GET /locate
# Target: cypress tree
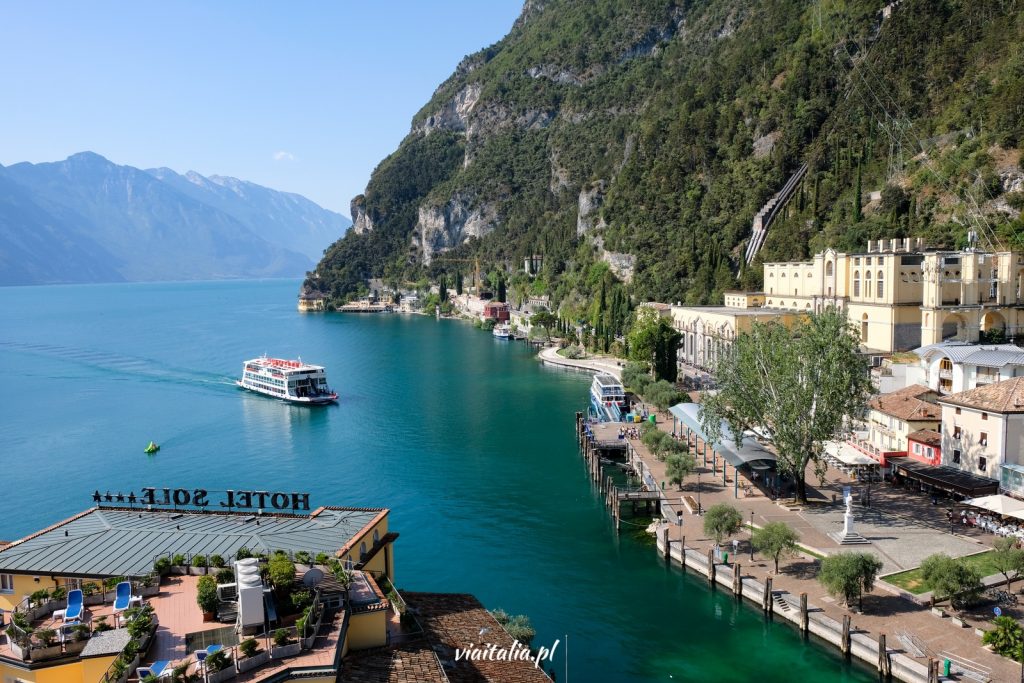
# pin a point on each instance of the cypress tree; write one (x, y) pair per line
(458, 283)
(501, 288)
(442, 289)
(817, 190)
(856, 197)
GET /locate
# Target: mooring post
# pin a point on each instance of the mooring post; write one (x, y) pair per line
(804, 620)
(766, 599)
(737, 580)
(682, 551)
(664, 538)
(844, 643)
(884, 667)
(711, 567)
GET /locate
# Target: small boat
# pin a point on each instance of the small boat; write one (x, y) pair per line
(152, 448)
(288, 380)
(502, 331)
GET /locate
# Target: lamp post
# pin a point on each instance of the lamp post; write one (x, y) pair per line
(952, 511)
(751, 536)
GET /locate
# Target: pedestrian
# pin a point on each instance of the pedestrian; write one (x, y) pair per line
(735, 547)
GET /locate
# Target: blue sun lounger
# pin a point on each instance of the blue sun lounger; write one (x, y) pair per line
(123, 596)
(75, 606)
(158, 669)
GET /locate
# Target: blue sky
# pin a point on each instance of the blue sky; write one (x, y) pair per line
(300, 96)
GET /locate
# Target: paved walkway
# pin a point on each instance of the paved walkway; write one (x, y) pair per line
(884, 612)
(549, 355)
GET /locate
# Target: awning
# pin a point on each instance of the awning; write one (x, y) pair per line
(750, 451)
(945, 478)
(999, 504)
(848, 455)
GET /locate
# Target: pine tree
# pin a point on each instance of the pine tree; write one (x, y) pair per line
(817, 191)
(856, 197)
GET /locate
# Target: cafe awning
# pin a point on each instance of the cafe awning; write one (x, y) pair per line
(945, 478)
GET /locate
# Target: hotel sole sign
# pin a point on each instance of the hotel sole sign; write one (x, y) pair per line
(200, 498)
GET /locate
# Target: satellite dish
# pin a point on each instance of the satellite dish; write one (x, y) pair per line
(312, 577)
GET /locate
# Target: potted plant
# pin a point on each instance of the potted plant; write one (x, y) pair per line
(60, 595)
(20, 640)
(251, 655)
(149, 585)
(220, 667)
(206, 597)
(284, 646)
(79, 638)
(302, 557)
(322, 559)
(91, 593)
(199, 564)
(179, 564)
(225, 575)
(48, 646)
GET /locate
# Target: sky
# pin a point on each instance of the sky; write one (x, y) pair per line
(302, 96)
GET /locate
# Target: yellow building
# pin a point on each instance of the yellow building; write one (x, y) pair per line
(707, 331)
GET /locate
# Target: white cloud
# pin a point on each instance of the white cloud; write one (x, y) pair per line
(283, 156)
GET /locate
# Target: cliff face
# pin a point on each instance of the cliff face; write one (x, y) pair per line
(646, 134)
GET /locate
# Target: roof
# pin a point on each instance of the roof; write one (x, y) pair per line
(739, 312)
(1000, 397)
(106, 541)
(926, 436)
(909, 403)
(945, 478)
(987, 355)
(747, 452)
(106, 643)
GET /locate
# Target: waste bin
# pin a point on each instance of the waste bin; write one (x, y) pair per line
(945, 667)
(725, 558)
(651, 418)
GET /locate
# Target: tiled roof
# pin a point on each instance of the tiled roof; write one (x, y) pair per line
(926, 436)
(411, 662)
(908, 404)
(125, 542)
(1000, 397)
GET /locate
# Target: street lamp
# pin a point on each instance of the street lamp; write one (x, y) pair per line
(751, 536)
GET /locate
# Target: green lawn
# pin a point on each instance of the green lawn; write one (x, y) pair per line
(910, 580)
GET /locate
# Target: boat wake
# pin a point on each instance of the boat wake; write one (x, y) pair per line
(140, 368)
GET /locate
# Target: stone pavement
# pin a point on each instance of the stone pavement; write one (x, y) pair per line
(549, 355)
(902, 526)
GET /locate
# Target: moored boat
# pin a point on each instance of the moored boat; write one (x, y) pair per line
(607, 398)
(288, 380)
(502, 331)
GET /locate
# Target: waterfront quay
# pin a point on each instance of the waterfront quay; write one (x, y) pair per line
(897, 633)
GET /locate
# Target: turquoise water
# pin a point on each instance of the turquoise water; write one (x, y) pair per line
(467, 439)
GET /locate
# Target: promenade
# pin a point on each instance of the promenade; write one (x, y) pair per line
(549, 355)
(902, 532)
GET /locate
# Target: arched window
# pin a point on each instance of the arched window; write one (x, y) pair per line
(362, 550)
(879, 286)
(867, 283)
(864, 327)
(828, 269)
(856, 283)
(376, 537)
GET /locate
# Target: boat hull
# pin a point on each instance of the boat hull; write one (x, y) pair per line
(302, 401)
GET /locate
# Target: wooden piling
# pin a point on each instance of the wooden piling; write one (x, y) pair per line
(804, 617)
(844, 642)
(737, 580)
(664, 538)
(884, 663)
(933, 670)
(767, 603)
(682, 551)
(711, 567)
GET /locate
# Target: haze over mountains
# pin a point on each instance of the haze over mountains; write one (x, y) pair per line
(86, 219)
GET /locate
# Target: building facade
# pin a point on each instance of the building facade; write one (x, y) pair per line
(893, 417)
(951, 367)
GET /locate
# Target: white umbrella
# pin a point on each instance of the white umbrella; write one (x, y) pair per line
(999, 504)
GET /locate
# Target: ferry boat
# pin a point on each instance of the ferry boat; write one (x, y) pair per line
(607, 398)
(288, 380)
(502, 331)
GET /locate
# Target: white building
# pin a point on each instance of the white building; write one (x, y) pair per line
(952, 367)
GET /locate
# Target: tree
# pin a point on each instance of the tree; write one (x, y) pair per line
(857, 214)
(662, 394)
(850, 575)
(544, 319)
(722, 520)
(655, 440)
(1007, 558)
(458, 283)
(776, 540)
(502, 294)
(636, 376)
(793, 387)
(678, 467)
(442, 289)
(953, 579)
(653, 340)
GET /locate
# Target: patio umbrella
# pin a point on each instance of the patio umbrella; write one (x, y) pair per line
(999, 504)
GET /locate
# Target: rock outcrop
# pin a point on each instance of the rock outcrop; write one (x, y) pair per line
(591, 199)
(361, 220)
(439, 228)
(453, 114)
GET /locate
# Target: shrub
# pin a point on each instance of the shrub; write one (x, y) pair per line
(218, 661)
(199, 561)
(662, 394)
(139, 625)
(300, 625)
(1006, 638)
(243, 553)
(40, 596)
(301, 600)
(216, 561)
(59, 593)
(81, 632)
(281, 637)
(162, 566)
(322, 558)
(225, 576)
(282, 572)
(949, 578)
(130, 650)
(179, 561)
(518, 626)
(89, 588)
(249, 647)
(46, 636)
(206, 594)
(302, 557)
(574, 353)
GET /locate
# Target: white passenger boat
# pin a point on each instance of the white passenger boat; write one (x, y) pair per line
(502, 331)
(607, 398)
(288, 380)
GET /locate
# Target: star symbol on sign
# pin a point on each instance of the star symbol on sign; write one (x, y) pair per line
(120, 497)
(96, 497)
(131, 497)
(108, 497)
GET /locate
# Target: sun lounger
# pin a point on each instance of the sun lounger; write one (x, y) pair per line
(75, 606)
(155, 669)
(123, 596)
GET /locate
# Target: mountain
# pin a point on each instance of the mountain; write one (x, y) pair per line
(283, 218)
(630, 143)
(86, 219)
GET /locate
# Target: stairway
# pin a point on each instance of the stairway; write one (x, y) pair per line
(768, 212)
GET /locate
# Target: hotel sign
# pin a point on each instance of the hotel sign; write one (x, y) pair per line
(200, 498)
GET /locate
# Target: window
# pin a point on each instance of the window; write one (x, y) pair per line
(983, 440)
(957, 411)
(984, 416)
(956, 432)
(376, 537)
(983, 464)
(867, 261)
(72, 584)
(917, 448)
(6, 583)
(956, 457)
(856, 283)
(362, 550)
(880, 286)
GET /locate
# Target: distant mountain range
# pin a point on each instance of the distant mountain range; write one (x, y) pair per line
(86, 219)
